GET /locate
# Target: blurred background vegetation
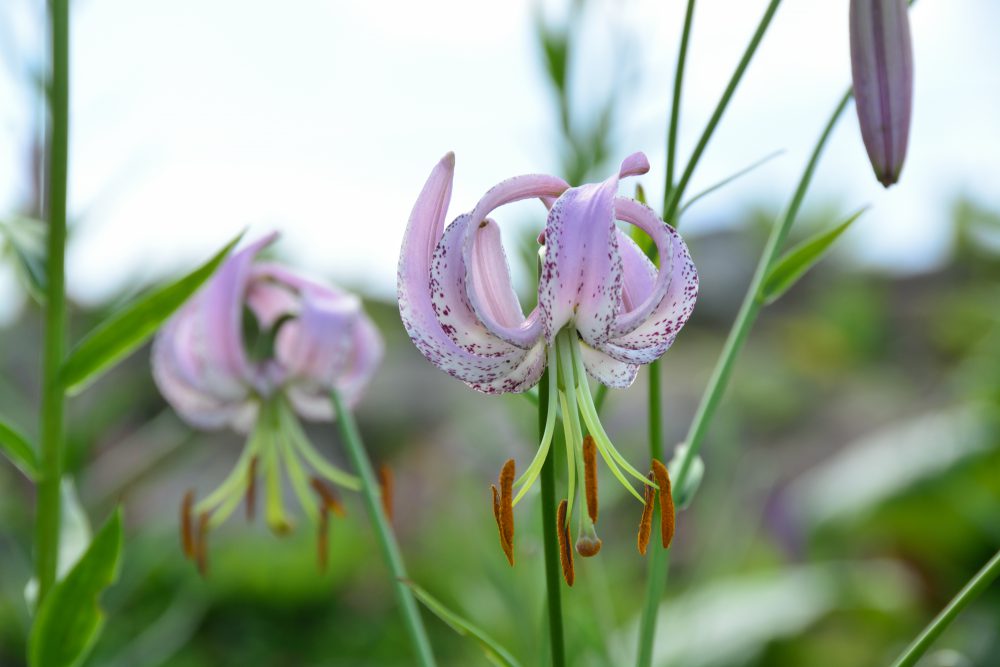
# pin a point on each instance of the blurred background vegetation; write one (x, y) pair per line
(852, 484)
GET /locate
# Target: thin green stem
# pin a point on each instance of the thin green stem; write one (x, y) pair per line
(671, 204)
(751, 307)
(675, 108)
(386, 539)
(656, 582)
(655, 418)
(657, 579)
(970, 592)
(551, 540)
(53, 396)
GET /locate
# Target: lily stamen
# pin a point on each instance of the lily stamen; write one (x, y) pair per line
(590, 475)
(187, 529)
(503, 509)
(385, 481)
(251, 495)
(646, 522)
(662, 478)
(565, 553)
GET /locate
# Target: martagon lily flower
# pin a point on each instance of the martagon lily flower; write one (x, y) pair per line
(603, 310)
(255, 347)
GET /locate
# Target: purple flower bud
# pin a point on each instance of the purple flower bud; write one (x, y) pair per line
(882, 69)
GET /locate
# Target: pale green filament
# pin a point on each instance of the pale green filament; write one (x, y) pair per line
(290, 425)
(589, 413)
(275, 507)
(298, 478)
(531, 474)
(570, 391)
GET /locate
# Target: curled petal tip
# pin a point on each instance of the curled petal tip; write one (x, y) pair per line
(635, 164)
(448, 160)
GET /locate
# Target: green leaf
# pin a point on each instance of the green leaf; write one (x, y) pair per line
(70, 620)
(794, 264)
(126, 330)
(728, 179)
(19, 450)
(495, 653)
(26, 243)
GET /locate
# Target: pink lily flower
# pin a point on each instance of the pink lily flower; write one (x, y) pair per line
(603, 309)
(256, 346)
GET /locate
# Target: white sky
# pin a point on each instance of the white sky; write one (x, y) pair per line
(193, 119)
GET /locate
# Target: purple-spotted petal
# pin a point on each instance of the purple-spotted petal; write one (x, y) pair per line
(656, 334)
(423, 232)
(521, 378)
(606, 370)
(581, 280)
(491, 291)
(450, 299)
(643, 217)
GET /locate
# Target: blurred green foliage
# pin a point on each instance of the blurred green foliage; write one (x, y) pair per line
(813, 562)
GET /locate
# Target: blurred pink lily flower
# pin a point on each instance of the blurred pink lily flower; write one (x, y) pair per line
(603, 309)
(255, 347)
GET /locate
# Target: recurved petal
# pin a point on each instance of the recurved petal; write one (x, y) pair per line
(522, 377)
(656, 334)
(606, 370)
(316, 345)
(491, 291)
(639, 272)
(176, 371)
(413, 289)
(643, 302)
(450, 298)
(528, 186)
(581, 275)
(581, 279)
(217, 321)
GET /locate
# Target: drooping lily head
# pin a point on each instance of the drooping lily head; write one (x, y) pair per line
(257, 347)
(603, 308)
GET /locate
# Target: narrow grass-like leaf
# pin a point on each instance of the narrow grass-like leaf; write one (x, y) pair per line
(26, 244)
(127, 329)
(797, 261)
(70, 619)
(728, 179)
(495, 653)
(19, 450)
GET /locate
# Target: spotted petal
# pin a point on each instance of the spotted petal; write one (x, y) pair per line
(416, 309)
(581, 280)
(450, 298)
(606, 370)
(657, 332)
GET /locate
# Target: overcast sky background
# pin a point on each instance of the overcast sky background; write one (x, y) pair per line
(193, 119)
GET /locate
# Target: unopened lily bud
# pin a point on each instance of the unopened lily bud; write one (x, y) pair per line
(882, 69)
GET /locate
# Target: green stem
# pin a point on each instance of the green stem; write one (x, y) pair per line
(658, 559)
(675, 108)
(551, 540)
(970, 592)
(750, 307)
(386, 539)
(673, 202)
(53, 397)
